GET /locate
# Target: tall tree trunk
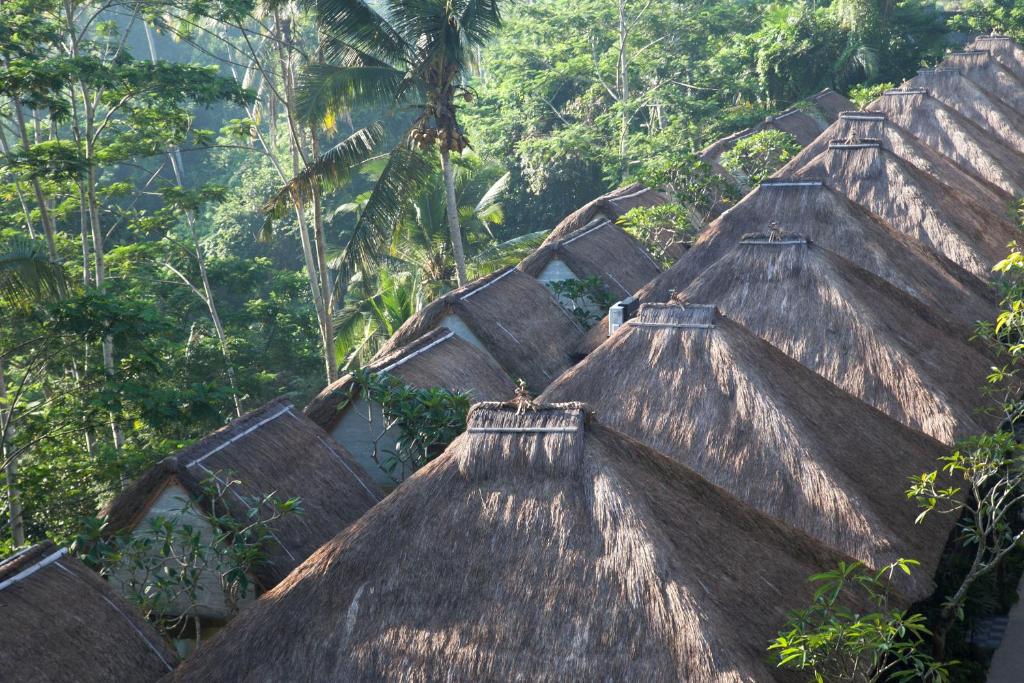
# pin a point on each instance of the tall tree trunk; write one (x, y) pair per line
(622, 76)
(11, 467)
(326, 291)
(44, 212)
(211, 304)
(6, 149)
(452, 212)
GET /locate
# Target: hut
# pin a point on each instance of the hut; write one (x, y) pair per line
(599, 249)
(610, 206)
(990, 75)
(960, 93)
(856, 330)
(508, 315)
(273, 450)
(438, 359)
(802, 126)
(541, 546)
(831, 220)
(857, 126)
(62, 622)
(970, 146)
(1004, 49)
(947, 219)
(765, 428)
(831, 104)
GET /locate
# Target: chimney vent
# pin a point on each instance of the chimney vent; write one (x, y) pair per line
(620, 312)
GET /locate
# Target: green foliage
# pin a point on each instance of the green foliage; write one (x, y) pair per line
(862, 95)
(422, 421)
(758, 156)
(163, 567)
(587, 299)
(851, 633)
(664, 230)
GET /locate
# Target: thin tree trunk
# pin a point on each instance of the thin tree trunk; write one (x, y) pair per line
(325, 285)
(623, 78)
(452, 212)
(6, 149)
(44, 212)
(11, 469)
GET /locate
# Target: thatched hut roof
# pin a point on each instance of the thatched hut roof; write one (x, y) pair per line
(599, 249)
(440, 358)
(970, 146)
(859, 126)
(272, 450)
(861, 333)
(985, 70)
(1004, 49)
(831, 104)
(61, 622)
(541, 546)
(834, 222)
(949, 220)
(512, 317)
(707, 392)
(955, 90)
(611, 205)
(796, 122)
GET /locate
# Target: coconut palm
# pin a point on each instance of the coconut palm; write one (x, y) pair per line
(401, 54)
(28, 274)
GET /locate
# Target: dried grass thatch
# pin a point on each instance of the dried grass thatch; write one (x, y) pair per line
(439, 358)
(831, 104)
(958, 92)
(796, 122)
(275, 450)
(707, 392)
(599, 249)
(947, 219)
(512, 317)
(1004, 49)
(858, 126)
(612, 206)
(61, 622)
(540, 547)
(861, 333)
(990, 75)
(968, 145)
(834, 222)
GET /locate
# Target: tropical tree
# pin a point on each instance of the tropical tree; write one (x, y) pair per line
(406, 54)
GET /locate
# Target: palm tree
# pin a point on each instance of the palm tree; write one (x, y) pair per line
(407, 53)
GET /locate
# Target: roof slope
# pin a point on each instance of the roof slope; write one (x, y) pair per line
(611, 205)
(440, 358)
(950, 221)
(797, 123)
(833, 221)
(599, 249)
(516, 319)
(539, 547)
(853, 328)
(707, 392)
(274, 449)
(61, 622)
(985, 70)
(968, 145)
(958, 92)
(831, 104)
(1004, 49)
(859, 126)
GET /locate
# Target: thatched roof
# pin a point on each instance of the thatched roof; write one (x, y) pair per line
(540, 547)
(796, 122)
(440, 358)
(275, 449)
(985, 70)
(61, 622)
(955, 90)
(859, 126)
(946, 218)
(968, 145)
(611, 205)
(599, 249)
(861, 333)
(1004, 49)
(831, 104)
(834, 222)
(707, 392)
(512, 317)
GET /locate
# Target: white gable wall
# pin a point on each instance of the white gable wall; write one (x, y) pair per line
(360, 424)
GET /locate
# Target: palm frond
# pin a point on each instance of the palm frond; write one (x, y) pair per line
(406, 174)
(479, 21)
(331, 169)
(355, 24)
(506, 253)
(28, 275)
(324, 88)
(493, 194)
